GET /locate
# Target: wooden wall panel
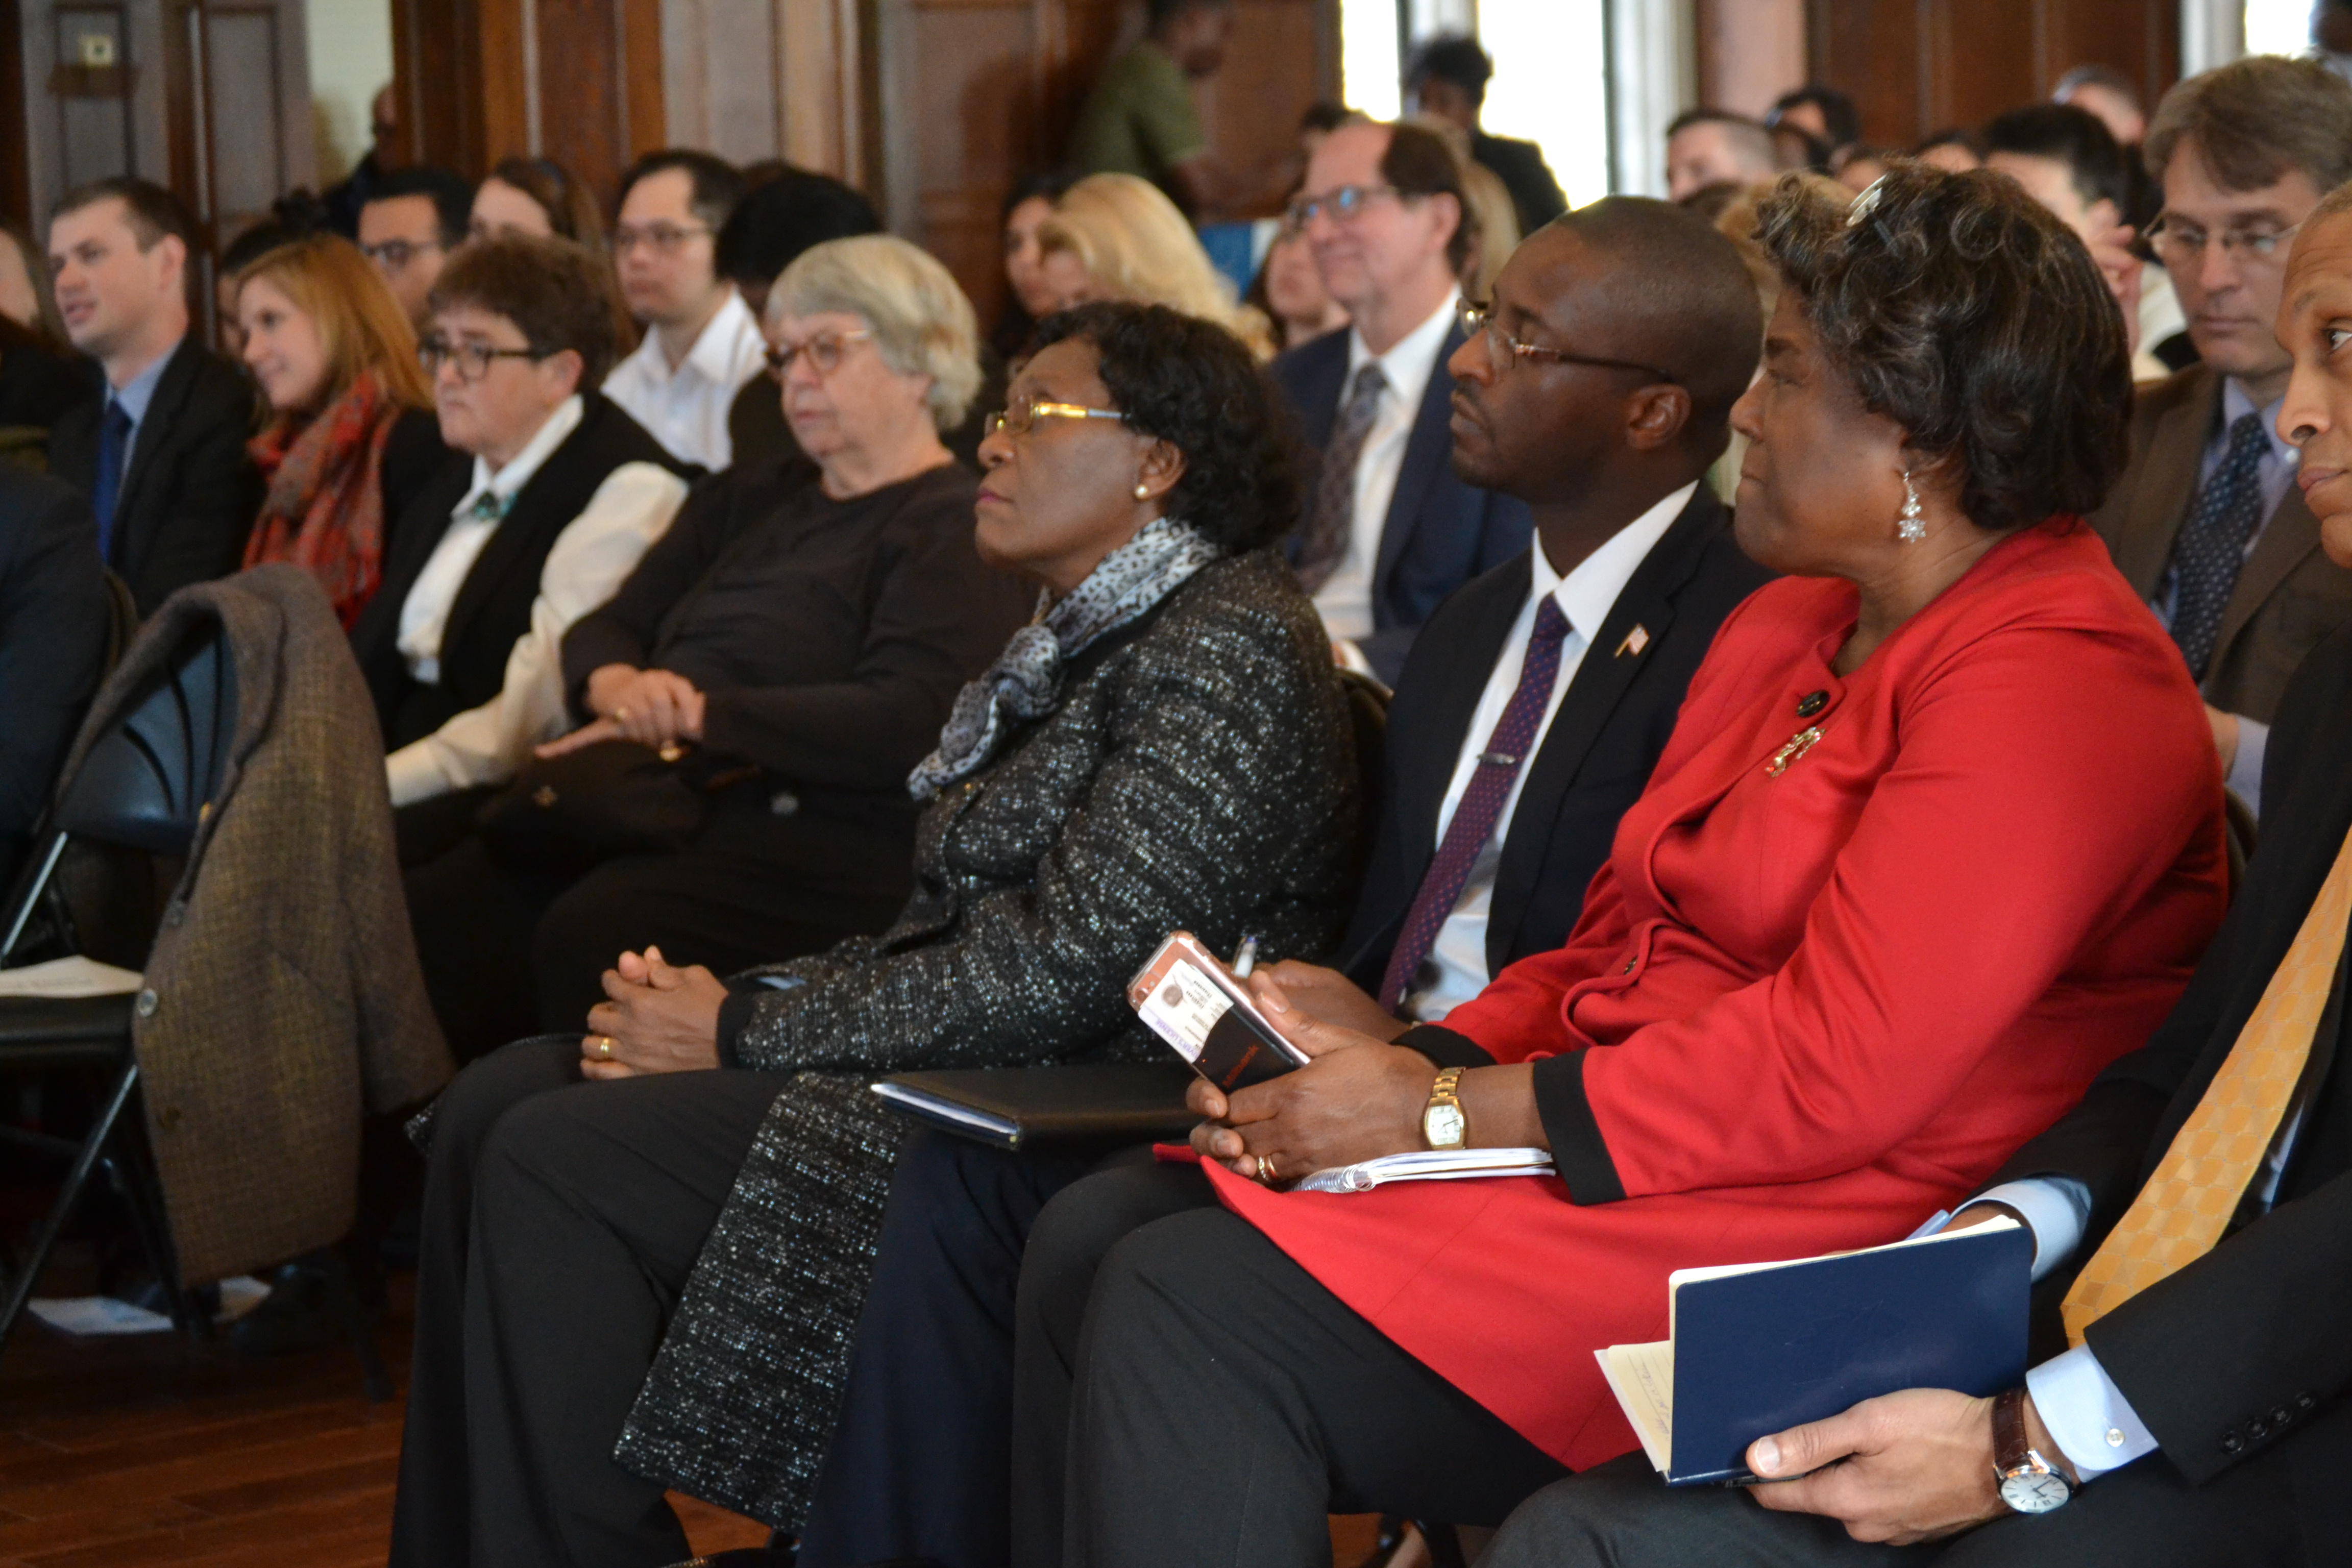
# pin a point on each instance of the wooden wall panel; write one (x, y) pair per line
(1250, 109)
(1917, 66)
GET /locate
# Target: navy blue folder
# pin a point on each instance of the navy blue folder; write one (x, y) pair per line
(1763, 1352)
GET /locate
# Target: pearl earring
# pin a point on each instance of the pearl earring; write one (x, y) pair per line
(1911, 528)
(1143, 492)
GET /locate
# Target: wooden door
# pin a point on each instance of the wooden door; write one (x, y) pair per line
(1914, 67)
(211, 97)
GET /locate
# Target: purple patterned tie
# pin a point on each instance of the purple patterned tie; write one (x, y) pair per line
(1473, 817)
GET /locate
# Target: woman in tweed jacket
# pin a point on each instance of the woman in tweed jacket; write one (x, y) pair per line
(652, 1282)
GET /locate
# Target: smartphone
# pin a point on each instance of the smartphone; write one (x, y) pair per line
(1186, 997)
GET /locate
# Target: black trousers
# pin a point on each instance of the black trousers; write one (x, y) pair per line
(561, 1219)
(1621, 1515)
(1187, 1395)
(919, 1466)
(745, 893)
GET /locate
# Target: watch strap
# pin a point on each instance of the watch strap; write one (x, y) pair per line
(2011, 1450)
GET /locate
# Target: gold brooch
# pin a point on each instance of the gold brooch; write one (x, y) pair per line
(1799, 745)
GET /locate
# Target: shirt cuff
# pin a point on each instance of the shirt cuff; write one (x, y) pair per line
(1578, 1150)
(2245, 779)
(2055, 1209)
(414, 773)
(2089, 1417)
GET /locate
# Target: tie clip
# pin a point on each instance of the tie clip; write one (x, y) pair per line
(1635, 641)
(1498, 759)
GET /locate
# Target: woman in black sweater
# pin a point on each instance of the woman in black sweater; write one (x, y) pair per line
(797, 639)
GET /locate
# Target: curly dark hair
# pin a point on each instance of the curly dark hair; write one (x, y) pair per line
(1958, 307)
(1191, 384)
(553, 290)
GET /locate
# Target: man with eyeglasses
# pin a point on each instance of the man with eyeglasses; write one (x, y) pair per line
(2207, 523)
(411, 220)
(701, 342)
(550, 496)
(1391, 529)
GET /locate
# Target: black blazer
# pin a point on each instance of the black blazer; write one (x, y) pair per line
(493, 605)
(54, 624)
(2247, 1349)
(1594, 760)
(1439, 533)
(1535, 196)
(191, 493)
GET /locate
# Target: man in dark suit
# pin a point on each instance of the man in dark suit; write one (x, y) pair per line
(161, 458)
(2206, 523)
(1389, 528)
(1447, 77)
(1637, 569)
(2199, 1196)
(54, 622)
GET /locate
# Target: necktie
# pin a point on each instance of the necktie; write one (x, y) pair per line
(2197, 1186)
(2212, 543)
(1332, 523)
(114, 442)
(489, 506)
(1481, 804)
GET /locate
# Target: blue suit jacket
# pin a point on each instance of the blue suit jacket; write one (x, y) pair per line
(1439, 533)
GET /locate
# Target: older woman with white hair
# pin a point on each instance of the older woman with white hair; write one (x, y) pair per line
(772, 667)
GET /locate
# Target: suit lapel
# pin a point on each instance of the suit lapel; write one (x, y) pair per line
(1601, 679)
(2167, 483)
(1426, 452)
(2287, 539)
(155, 429)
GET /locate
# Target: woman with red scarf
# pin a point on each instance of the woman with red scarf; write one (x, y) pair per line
(353, 433)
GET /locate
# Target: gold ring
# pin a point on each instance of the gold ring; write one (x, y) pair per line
(1266, 1171)
(620, 715)
(605, 1047)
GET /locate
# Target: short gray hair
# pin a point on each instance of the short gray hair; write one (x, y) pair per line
(921, 322)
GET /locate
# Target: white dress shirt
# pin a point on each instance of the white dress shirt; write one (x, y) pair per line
(1345, 599)
(1456, 969)
(686, 409)
(596, 550)
(2273, 471)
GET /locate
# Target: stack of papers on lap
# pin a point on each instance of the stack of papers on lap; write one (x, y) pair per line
(1431, 1166)
(66, 978)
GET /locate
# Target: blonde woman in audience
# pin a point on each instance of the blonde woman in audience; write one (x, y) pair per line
(352, 436)
(1289, 289)
(1116, 236)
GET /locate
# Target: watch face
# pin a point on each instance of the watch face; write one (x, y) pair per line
(1442, 1125)
(2034, 1491)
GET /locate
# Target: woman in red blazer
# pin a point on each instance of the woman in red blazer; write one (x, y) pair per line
(1938, 836)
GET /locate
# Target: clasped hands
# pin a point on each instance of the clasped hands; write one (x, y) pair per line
(1359, 1099)
(656, 1018)
(651, 707)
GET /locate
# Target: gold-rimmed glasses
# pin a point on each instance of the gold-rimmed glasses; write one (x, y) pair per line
(1507, 350)
(1021, 415)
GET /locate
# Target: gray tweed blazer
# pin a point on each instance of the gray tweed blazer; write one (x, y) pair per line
(1198, 773)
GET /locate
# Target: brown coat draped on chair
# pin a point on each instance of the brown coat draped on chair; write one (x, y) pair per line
(283, 999)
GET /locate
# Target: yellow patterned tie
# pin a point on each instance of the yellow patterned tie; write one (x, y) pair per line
(2187, 1204)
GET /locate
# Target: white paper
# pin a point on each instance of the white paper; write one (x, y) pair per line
(69, 977)
(92, 1315)
(1429, 1166)
(1642, 1379)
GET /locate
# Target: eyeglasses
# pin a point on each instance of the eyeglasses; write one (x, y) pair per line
(824, 353)
(1345, 204)
(1020, 417)
(472, 359)
(661, 239)
(2182, 244)
(1507, 350)
(394, 254)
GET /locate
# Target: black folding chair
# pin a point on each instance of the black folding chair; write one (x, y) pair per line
(143, 790)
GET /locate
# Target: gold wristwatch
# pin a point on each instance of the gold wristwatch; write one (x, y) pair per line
(1442, 1125)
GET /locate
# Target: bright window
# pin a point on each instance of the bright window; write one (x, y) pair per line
(1550, 84)
(2278, 27)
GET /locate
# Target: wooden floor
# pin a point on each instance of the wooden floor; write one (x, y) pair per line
(117, 1453)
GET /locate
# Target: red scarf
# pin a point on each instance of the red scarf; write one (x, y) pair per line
(325, 507)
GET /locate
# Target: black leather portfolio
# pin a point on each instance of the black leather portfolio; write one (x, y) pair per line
(1017, 1108)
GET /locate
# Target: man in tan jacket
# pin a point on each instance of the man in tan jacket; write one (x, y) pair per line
(2207, 523)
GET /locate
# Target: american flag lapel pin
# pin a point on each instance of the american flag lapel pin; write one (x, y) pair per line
(1635, 641)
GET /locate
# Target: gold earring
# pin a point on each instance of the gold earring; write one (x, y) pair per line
(1143, 492)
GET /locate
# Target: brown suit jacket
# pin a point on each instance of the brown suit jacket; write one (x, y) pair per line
(2289, 595)
(283, 997)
